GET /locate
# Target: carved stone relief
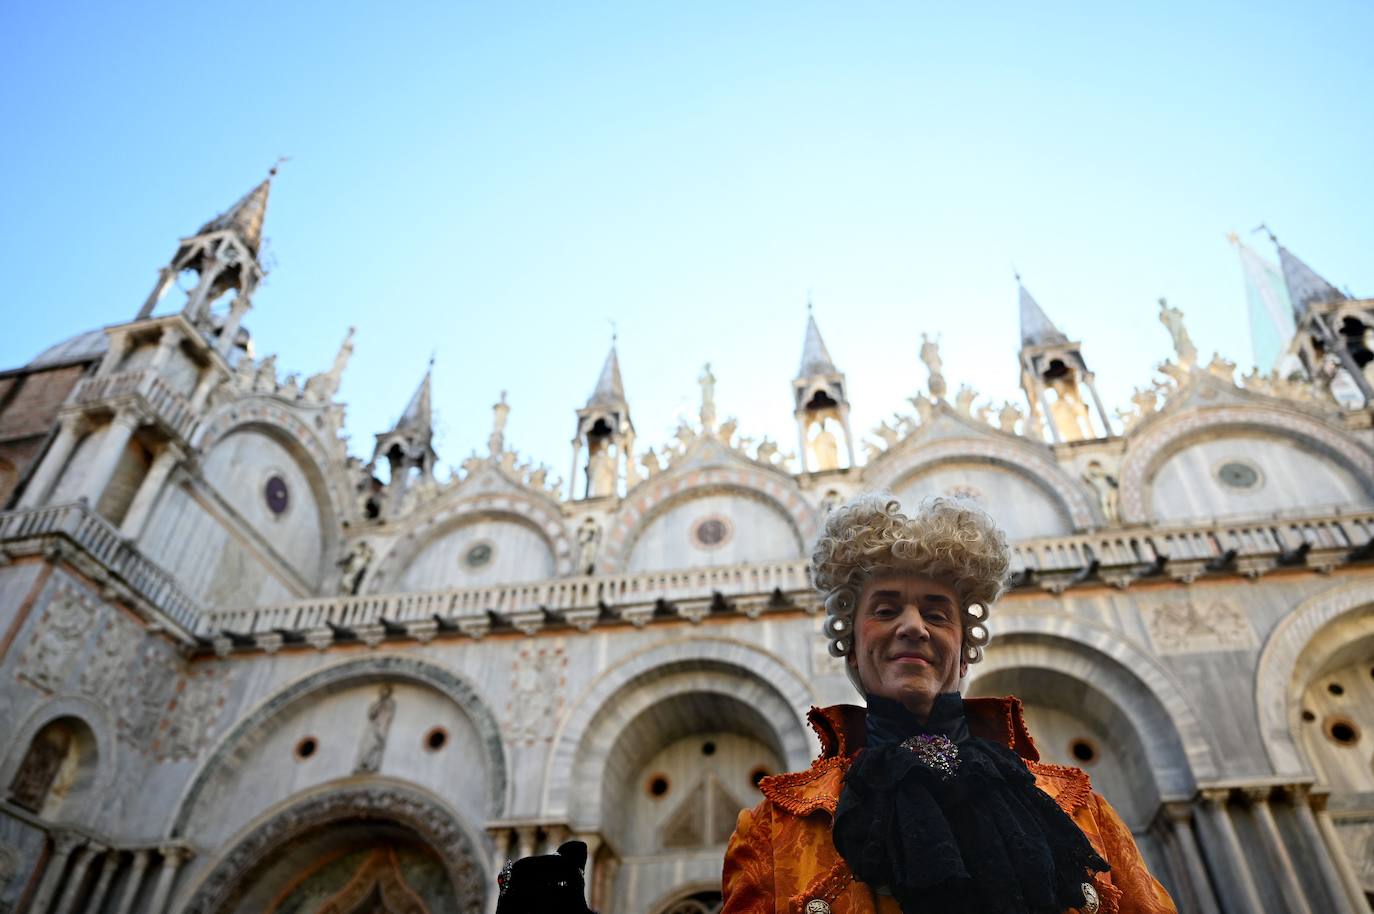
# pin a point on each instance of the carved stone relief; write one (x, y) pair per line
(225, 885)
(196, 704)
(48, 661)
(114, 661)
(538, 678)
(1189, 626)
(373, 744)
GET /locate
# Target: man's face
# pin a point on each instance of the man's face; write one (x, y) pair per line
(908, 640)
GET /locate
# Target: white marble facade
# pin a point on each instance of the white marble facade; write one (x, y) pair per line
(240, 674)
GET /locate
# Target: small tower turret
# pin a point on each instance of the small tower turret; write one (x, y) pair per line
(1054, 377)
(408, 448)
(606, 433)
(820, 399)
(1334, 341)
(224, 256)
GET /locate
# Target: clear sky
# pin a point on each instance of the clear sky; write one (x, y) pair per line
(494, 182)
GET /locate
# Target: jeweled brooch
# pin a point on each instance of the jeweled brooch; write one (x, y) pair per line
(937, 752)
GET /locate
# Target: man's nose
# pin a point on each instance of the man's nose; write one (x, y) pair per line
(912, 625)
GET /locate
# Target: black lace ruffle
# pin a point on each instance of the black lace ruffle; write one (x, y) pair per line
(983, 841)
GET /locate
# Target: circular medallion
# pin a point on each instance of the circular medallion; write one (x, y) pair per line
(1238, 474)
(477, 555)
(711, 532)
(277, 495)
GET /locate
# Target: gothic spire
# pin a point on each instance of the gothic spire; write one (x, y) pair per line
(246, 216)
(416, 421)
(609, 388)
(1036, 327)
(1305, 286)
(815, 358)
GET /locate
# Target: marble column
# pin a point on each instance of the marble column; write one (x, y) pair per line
(173, 855)
(208, 379)
(80, 865)
(63, 843)
(525, 837)
(110, 449)
(167, 344)
(1284, 872)
(1337, 888)
(1230, 851)
(500, 841)
(135, 882)
(237, 310)
(1180, 817)
(1335, 851)
(593, 842)
(118, 348)
(164, 281)
(69, 432)
(102, 885)
(149, 489)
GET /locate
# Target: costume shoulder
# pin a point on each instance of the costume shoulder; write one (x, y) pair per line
(1069, 787)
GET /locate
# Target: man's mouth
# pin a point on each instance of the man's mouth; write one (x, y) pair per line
(911, 658)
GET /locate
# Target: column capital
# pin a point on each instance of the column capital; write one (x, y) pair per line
(128, 417)
(1178, 810)
(1215, 796)
(175, 854)
(64, 841)
(1257, 793)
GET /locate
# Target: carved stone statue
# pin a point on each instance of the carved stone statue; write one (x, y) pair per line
(767, 452)
(930, 354)
(708, 398)
(887, 433)
(925, 409)
(265, 382)
(373, 745)
(354, 567)
(1172, 319)
(588, 541)
(726, 432)
(1068, 411)
(963, 401)
(1008, 416)
(649, 461)
(826, 450)
(496, 442)
(1107, 489)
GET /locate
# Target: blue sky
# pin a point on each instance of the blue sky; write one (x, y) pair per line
(494, 183)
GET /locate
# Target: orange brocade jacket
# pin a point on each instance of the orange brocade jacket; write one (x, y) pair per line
(781, 859)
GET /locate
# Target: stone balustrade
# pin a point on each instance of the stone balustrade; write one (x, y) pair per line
(149, 389)
(1115, 556)
(90, 533)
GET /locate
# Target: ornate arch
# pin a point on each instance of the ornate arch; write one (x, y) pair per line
(95, 718)
(1029, 463)
(537, 514)
(1146, 454)
(392, 801)
(651, 498)
(245, 735)
(768, 677)
(1279, 675)
(281, 425)
(1148, 695)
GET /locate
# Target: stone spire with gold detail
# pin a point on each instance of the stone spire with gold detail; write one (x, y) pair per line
(606, 434)
(820, 401)
(1056, 379)
(224, 255)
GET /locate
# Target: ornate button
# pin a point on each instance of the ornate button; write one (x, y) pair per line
(1091, 903)
(817, 906)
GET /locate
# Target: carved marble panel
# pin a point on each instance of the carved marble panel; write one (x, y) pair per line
(194, 708)
(59, 637)
(538, 681)
(1198, 625)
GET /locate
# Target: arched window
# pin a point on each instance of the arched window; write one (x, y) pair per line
(52, 766)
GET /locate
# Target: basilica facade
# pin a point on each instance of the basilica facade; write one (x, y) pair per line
(245, 671)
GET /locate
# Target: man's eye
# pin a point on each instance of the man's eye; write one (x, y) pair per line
(884, 609)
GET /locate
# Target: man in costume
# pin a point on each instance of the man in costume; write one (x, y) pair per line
(926, 803)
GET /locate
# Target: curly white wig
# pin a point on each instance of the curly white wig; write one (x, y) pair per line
(948, 539)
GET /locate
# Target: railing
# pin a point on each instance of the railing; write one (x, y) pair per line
(93, 534)
(1109, 554)
(165, 403)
